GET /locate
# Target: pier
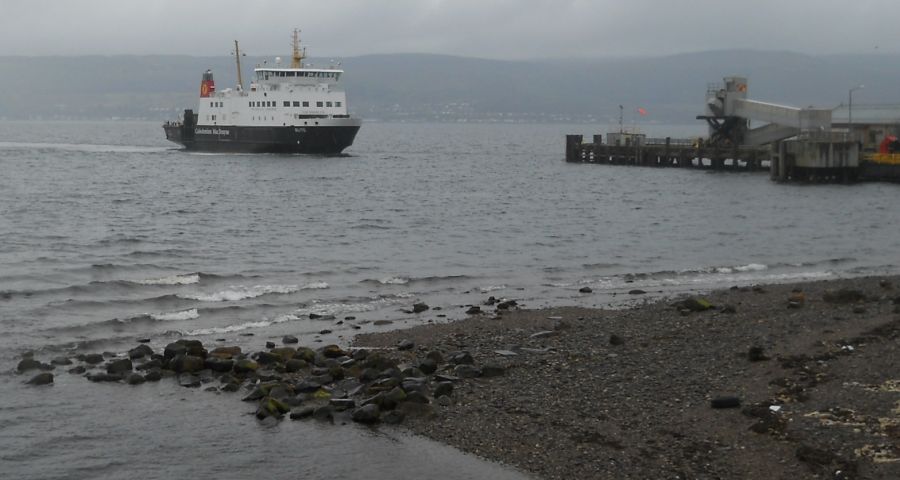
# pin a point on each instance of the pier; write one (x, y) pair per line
(666, 152)
(793, 144)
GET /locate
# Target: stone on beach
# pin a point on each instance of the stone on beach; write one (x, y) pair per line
(119, 367)
(44, 378)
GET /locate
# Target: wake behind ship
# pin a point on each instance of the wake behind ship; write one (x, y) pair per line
(300, 109)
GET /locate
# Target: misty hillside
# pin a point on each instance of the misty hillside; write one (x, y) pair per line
(447, 88)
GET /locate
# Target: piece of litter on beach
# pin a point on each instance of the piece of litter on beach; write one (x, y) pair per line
(848, 348)
(775, 408)
(506, 353)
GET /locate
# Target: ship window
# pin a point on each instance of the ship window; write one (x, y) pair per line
(296, 104)
(210, 104)
(250, 104)
(305, 104)
(319, 104)
(214, 118)
(287, 104)
(337, 76)
(327, 104)
(337, 104)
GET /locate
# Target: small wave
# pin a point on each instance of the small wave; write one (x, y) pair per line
(315, 286)
(228, 329)
(83, 147)
(492, 288)
(176, 316)
(234, 294)
(753, 267)
(186, 279)
(403, 280)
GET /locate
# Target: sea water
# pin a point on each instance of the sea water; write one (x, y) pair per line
(109, 234)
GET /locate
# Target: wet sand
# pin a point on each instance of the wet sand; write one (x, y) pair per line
(628, 393)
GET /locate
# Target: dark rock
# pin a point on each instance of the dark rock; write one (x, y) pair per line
(694, 305)
(636, 291)
(140, 351)
(104, 377)
(295, 365)
(119, 367)
(467, 371)
(289, 339)
(428, 366)
(435, 356)
(314, 316)
(61, 361)
(270, 345)
(415, 397)
(266, 358)
(301, 413)
(342, 403)
(30, 364)
(254, 395)
(725, 402)
(445, 378)
(366, 414)
(135, 379)
(230, 387)
(174, 349)
(324, 413)
(333, 351)
(44, 378)
(186, 364)
(506, 305)
(380, 323)
(393, 397)
(756, 354)
(616, 340)
(859, 309)
(143, 340)
(188, 380)
(405, 345)
(444, 401)
(585, 290)
(150, 364)
(492, 370)
(306, 386)
(843, 296)
(729, 309)
(77, 370)
(413, 384)
(324, 332)
(419, 307)
(393, 417)
(218, 364)
(443, 389)
(153, 376)
(225, 353)
(460, 358)
(321, 379)
(474, 310)
(306, 354)
(245, 366)
(271, 407)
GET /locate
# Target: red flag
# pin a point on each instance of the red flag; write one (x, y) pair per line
(642, 111)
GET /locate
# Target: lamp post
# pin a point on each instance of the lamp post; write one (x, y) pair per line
(850, 109)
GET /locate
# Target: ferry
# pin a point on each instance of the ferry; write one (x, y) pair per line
(300, 109)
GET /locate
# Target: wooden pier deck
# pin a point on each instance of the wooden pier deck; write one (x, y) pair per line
(667, 152)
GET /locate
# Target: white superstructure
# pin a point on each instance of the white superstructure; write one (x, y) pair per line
(297, 96)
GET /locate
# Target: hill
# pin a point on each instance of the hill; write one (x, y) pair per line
(447, 88)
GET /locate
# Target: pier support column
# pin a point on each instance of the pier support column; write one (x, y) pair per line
(573, 147)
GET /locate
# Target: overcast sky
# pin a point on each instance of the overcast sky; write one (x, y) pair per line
(504, 29)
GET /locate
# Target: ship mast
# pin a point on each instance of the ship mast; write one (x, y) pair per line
(298, 54)
(237, 57)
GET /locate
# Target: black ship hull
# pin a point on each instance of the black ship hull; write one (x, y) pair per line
(319, 139)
